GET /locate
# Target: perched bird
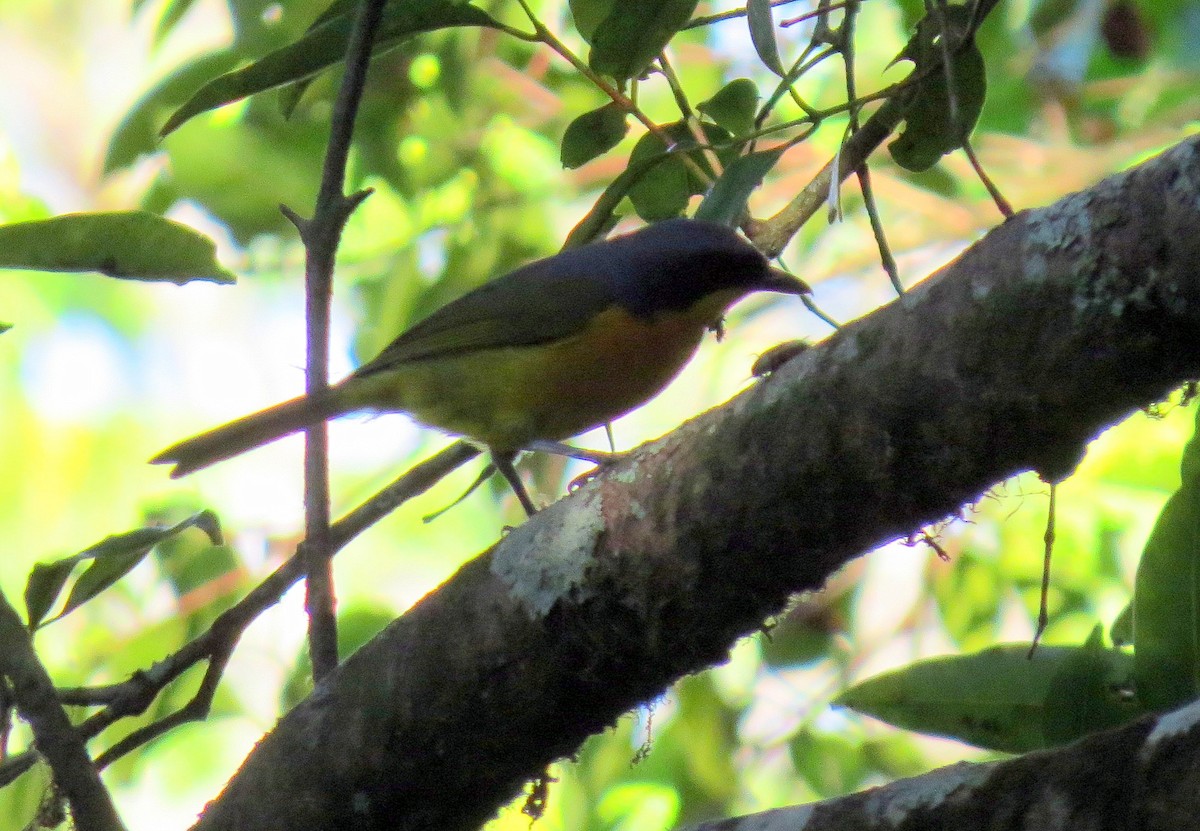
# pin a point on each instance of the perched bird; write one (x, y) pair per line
(545, 352)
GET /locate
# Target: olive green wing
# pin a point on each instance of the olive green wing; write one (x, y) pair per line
(538, 303)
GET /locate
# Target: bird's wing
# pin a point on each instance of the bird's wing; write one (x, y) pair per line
(534, 304)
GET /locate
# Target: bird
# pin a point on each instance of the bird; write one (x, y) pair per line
(545, 352)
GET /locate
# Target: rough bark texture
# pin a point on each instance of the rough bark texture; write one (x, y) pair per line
(1145, 777)
(1057, 324)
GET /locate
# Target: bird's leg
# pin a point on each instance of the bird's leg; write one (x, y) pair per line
(597, 457)
(504, 464)
(557, 448)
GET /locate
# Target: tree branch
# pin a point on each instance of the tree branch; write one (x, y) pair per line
(1057, 324)
(321, 235)
(1141, 776)
(57, 742)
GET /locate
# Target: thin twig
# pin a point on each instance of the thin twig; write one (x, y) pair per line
(863, 171)
(709, 19)
(1003, 205)
(1048, 539)
(775, 232)
(818, 12)
(135, 695)
(321, 235)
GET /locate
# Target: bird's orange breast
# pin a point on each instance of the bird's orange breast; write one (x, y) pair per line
(507, 397)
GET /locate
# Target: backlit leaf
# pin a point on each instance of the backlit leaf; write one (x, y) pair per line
(135, 245)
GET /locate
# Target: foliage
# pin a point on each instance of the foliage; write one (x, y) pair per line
(463, 134)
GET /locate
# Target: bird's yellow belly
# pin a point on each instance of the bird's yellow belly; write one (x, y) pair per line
(508, 397)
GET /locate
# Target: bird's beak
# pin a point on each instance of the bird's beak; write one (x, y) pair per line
(778, 280)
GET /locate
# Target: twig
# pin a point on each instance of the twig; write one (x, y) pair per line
(321, 235)
(1048, 540)
(706, 20)
(863, 171)
(1002, 204)
(776, 231)
(135, 695)
(818, 12)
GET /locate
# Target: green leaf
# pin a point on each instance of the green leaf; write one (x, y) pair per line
(663, 191)
(322, 47)
(633, 34)
(831, 764)
(734, 106)
(589, 14)
(726, 201)
(931, 129)
(131, 244)
(137, 133)
(1166, 595)
(762, 34)
(1121, 631)
(43, 587)
(998, 698)
(111, 559)
(593, 134)
(171, 15)
(4, 327)
(1083, 697)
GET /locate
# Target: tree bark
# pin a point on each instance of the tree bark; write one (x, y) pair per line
(1058, 323)
(1144, 776)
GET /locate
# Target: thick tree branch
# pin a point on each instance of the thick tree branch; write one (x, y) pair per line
(1057, 324)
(57, 742)
(1143, 776)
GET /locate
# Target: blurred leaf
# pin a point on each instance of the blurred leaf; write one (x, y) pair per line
(355, 626)
(1125, 31)
(734, 105)
(211, 158)
(324, 46)
(1083, 697)
(703, 737)
(998, 698)
(639, 805)
(1121, 631)
(21, 799)
(593, 134)
(726, 202)
(137, 134)
(633, 35)
(132, 244)
(969, 598)
(663, 191)
(762, 34)
(170, 17)
(1047, 14)
(589, 14)
(1166, 595)
(4, 327)
(933, 127)
(111, 559)
(805, 632)
(831, 764)
(896, 757)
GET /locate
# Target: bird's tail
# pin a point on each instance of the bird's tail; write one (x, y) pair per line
(248, 432)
